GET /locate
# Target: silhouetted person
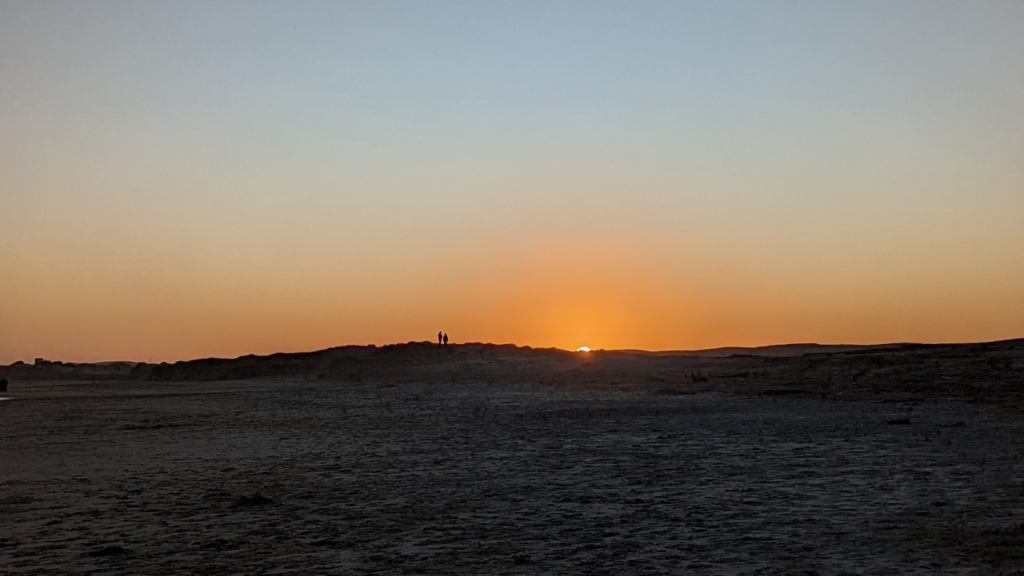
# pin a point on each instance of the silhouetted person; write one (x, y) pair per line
(439, 338)
(445, 339)
(3, 384)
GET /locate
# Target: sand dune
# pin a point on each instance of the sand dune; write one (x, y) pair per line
(991, 371)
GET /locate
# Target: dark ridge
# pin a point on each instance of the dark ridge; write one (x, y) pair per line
(982, 372)
(336, 362)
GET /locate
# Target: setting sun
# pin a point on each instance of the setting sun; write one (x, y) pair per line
(583, 349)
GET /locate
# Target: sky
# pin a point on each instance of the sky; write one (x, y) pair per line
(192, 179)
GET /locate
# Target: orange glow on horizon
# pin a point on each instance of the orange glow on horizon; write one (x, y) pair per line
(187, 311)
(182, 183)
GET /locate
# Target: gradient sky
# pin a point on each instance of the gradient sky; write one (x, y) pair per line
(192, 179)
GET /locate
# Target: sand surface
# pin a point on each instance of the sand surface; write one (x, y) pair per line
(475, 478)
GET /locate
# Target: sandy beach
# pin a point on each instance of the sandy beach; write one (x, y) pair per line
(297, 475)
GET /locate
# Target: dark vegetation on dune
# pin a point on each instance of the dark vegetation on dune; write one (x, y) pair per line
(986, 372)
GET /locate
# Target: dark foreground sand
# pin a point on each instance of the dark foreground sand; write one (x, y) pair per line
(461, 478)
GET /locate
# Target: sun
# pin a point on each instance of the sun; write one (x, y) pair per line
(583, 349)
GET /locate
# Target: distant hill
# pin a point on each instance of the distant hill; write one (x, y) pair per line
(779, 350)
(992, 371)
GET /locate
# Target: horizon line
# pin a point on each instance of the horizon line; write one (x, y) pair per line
(555, 348)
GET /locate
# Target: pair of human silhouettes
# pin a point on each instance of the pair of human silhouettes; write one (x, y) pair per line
(442, 339)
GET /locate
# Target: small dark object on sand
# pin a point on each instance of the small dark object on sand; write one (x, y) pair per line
(521, 559)
(256, 499)
(899, 422)
(108, 551)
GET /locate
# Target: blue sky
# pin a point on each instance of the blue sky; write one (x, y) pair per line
(242, 176)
